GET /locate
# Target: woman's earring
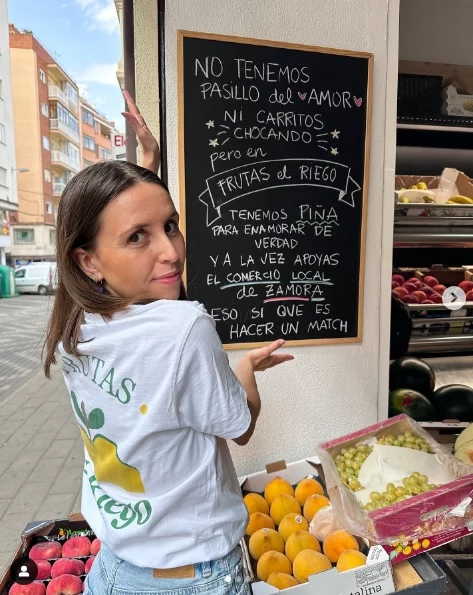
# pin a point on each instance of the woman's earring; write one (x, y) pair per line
(99, 283)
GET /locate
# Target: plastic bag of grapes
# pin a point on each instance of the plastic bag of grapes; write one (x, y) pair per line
(392, 480)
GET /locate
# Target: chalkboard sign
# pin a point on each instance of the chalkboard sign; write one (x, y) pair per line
(274, 159)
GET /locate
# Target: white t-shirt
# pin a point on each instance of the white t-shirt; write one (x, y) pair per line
(156, 399)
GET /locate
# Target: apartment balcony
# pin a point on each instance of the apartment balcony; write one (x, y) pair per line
(59, 126)
(58, 188)
(60, 158)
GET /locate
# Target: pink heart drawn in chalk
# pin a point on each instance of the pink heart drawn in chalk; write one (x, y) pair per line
(358, 101)
(302, 95)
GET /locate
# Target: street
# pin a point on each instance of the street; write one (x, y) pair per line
(23, 322)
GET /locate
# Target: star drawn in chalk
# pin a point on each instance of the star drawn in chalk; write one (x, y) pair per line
(335, 133)
(214, 142)
(334, 150)
(210, 124)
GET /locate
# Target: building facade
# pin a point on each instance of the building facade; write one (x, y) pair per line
(96, 135)
(8, 169)
(47, 139)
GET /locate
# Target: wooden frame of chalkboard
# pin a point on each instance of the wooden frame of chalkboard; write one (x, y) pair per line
(316, 313)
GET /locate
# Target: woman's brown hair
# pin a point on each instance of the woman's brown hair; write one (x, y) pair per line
(78, 223)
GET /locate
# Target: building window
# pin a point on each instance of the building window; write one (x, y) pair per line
(49, 207)
(87, 117)
(89, 143)
(96, 127)
(23, 236)
(42, 76)
(3, 136)
(47, 175)
(45, 109)
(105, 154)
(46, 143)
(3, 176)
(52, 237)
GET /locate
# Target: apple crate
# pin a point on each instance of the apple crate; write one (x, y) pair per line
(443, 510)
(51, 537)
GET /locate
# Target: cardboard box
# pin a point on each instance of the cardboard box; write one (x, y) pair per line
(457, 104)
(59, 530)
(422, 515)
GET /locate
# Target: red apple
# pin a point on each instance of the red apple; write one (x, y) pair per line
(427, 290)
(401, 291)
(440, 289)
(66, 584)
(44, 569)
(466, 286)
(34, 588)
(469, 296)
(45, 550)
(431, 281)
(415, 281)
(89, 563)
(95, 546)
(427, 302)
(67, 566)
(399, 279)
(410, 287)
(420, 295)
(76, 547)
(436, 298)
(410, 299)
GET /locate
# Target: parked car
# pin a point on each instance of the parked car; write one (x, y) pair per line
(37, 277)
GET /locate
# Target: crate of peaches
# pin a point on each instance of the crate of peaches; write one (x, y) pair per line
(393, 483)
(284, 547)
(63, 553)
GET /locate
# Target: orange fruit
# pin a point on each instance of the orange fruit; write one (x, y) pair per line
(259, 520)
(308, 487)
(281, 580)
(292, 522)
(256, 503)
(272, 562)
(275, 488)
(265, 540)
(309, 562)
(313, 504)
(337, 542)
(350, 559)
(299, 541)
(282, 505)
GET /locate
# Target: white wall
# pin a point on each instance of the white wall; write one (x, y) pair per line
(328, 390)
(8, 194)
(436, 31)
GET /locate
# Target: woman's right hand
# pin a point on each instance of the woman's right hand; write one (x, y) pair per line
(151, 151)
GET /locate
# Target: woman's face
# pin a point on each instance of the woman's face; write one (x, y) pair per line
(139, 251)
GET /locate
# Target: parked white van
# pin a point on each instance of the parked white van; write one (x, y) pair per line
(37, 277)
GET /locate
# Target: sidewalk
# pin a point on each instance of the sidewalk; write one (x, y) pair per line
(41, 458)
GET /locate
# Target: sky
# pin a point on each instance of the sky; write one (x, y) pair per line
(84, 37)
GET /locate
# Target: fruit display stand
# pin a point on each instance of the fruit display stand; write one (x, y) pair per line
(415, 523)
(63, 550)
(420, 576)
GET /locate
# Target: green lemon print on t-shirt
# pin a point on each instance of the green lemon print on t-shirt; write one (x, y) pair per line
(104, 454)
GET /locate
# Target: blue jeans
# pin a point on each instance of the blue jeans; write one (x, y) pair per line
(112, 576)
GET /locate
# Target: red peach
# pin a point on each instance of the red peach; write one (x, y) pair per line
(440, 289)
(95, 546)
(427, 302)
(436, 298)
(415, 281)
(67, 566)
(394, 284)
(76, 547)
(66, 584)
(427, 290)
(34, 588)
(410, 299)
(46, 550)
(466, 286)
(431, 281)
(399, 279)
(44, 569)
(410, 287)
(420, 295)
(401, 291)
(469, 296)
(88, 564)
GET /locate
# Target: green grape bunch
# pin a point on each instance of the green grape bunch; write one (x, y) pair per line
(413, 485)
(349, 463)
(405, 440)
